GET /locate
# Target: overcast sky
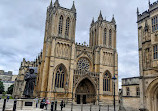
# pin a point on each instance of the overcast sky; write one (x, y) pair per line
(22, 24)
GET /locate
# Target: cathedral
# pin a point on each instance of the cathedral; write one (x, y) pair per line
(76, 72)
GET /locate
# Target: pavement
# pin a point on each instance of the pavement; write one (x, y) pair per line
(9, 107)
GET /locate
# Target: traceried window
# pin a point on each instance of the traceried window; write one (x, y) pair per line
(127, 91)
(154, 23)
(110, 39)
(83, 64)
(105, 36)
(155, 52)
(137, 91)
(60, 77)
(106, 82)
(67, 26)
(60, 25)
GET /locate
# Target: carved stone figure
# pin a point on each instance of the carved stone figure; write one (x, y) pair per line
(30, 79)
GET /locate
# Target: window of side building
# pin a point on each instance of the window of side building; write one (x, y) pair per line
(127, 91)
(154, 23)
(155, 54)
(137, 91)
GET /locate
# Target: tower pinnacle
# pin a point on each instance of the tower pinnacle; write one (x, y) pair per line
(113, 19)
(92, 21)
(137, 11)
(73, 7)
(51, 4)
(56, 3)
(100, 18)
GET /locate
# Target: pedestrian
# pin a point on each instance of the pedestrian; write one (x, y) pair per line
(7, 98)
(47, 103)
(37, 100)
(42, 103)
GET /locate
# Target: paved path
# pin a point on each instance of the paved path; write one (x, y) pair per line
(9, 105)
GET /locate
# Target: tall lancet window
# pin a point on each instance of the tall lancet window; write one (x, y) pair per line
(110, 39)
(67, 27)
(106, 82)
(104, 36)
(92, 39)
(60, 77)
(60, 25)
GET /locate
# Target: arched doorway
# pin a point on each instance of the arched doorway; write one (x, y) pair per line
(152, 93)
(85, 92)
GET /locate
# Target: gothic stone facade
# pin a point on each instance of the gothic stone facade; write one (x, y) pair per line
(77, 72)
(70, 70)
(148, 57)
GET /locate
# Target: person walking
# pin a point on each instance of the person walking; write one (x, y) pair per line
(7, 98)
(37, 100)
(47, 103)
(42, 103)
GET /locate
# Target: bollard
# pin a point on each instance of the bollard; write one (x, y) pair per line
(99, 107)
(108, 107)
(61, 105)
(14, 106)
(90, 107)
(4, 103)
(55, 105)
(52, 106)
(82, 107)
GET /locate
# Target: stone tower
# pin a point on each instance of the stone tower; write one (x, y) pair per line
(103, 33)
(148, 57)
(58, 44)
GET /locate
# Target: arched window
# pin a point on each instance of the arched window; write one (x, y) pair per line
(92, 37)
(96, 41)
(60, 77)
(67, 26)
(110, 39)
(104, 36)
(60, 24)
(106, 82)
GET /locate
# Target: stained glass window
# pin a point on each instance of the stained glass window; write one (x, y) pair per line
(83, 64)
(60, 25)
(106, 82)
(59, 79)
(67, 26)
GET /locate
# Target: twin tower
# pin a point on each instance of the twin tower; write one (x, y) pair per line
(61, 22)
(84, 72)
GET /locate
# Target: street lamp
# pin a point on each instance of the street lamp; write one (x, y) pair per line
(66, 88)
(114, 80)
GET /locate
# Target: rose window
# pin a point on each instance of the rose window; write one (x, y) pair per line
(83, 64)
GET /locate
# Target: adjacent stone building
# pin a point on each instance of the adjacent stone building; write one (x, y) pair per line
(80, 73)
(148, 63)
(5, 76)
(19, 84)
(130, 94)
(148, 57)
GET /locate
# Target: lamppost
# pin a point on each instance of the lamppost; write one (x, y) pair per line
(114, 80)
(66, 88)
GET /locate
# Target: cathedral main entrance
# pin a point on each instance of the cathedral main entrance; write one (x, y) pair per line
(85, 92)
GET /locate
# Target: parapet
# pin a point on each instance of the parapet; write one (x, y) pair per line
(130, 81)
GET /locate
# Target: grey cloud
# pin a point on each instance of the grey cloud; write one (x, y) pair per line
(23, 22)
